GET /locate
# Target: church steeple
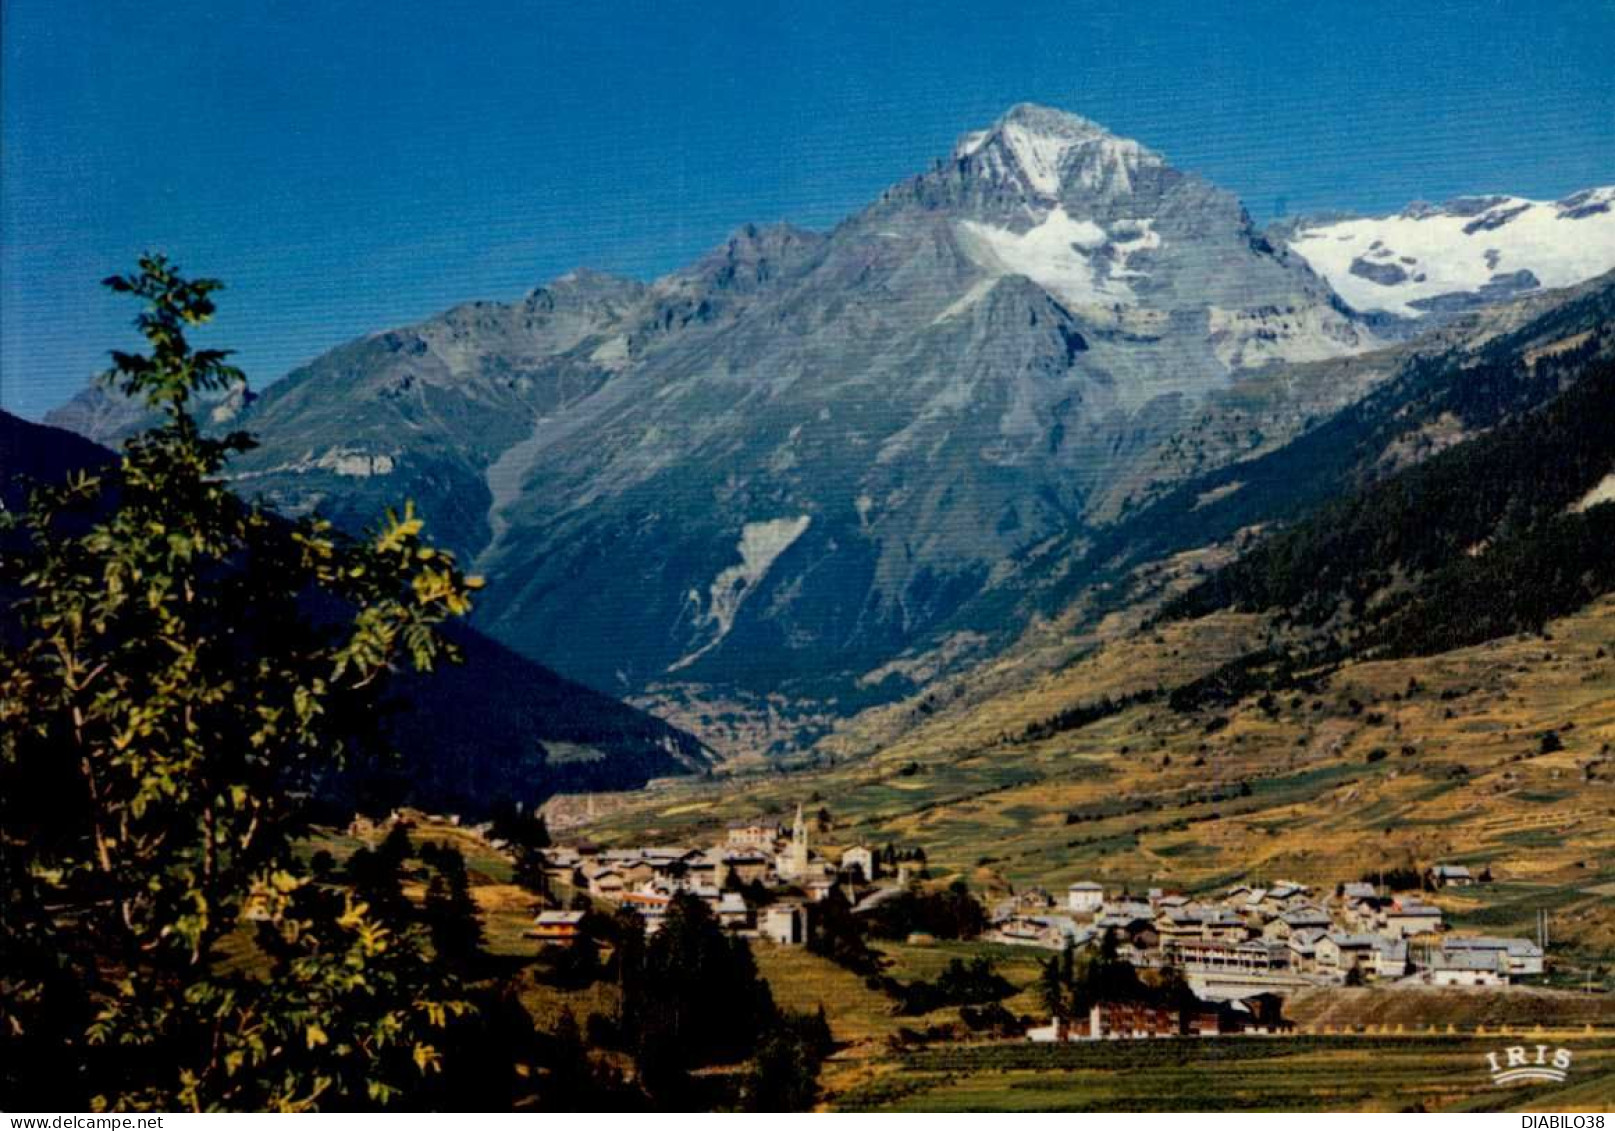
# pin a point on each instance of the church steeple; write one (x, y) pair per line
(795, 865)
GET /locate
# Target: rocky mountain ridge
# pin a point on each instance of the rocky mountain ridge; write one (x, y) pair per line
(808, 455)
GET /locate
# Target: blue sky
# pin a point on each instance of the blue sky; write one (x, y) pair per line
(346, 167)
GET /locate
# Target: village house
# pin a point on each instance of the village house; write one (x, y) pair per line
(628, 863)
(860, 860)
(705, 869)
(1050, 932)
(1204, 955)
(784, 923)
(1085, 897)
(732, 911)
(746, 865)
(1139, 1020)
(651, 905)
(1514, 958)
(1408, 916)
(557, 928)
(1372, 956)
(1358, 891)
(1140, 945)
(1119, 913)
(1301, 919)
(1178, 924)
(1284, 896)
(1127, 1019)
(1302, 946)
(1389, 959)
(1465, 968)
(818, 890)
(1338, 952)
(1224, 924)
(1114, 1020)
(1451, 876)
(1248, 906)
(1034, 898)
(1361, 914)
(1136, 931)
(603, 881)
(753, 833)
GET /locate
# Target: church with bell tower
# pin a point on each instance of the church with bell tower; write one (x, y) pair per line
(792, 864)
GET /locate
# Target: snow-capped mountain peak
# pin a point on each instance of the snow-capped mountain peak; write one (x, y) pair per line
(1437, 259)
(1048, 151)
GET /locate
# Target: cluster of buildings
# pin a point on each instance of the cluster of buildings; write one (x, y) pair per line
(1259, 1014)
(757, 881)
(1285, 933)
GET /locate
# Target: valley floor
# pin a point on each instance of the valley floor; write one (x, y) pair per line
(1374, 1048)
(1497, 756)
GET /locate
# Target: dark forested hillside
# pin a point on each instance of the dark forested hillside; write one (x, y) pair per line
(500, 728)
(36, 453)
(1497, 486)
(1478, 541)
(496, 728)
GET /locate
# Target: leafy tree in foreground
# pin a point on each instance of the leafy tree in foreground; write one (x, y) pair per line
(181, 670)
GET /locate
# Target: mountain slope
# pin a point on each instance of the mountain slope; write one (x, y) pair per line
(1429, 404)
(1496, 535)
(497, 728)
(1384, 509)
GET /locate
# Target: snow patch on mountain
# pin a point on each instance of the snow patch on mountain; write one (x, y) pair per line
(1058, 254)
(1470, 251)
(761, 544)
(1038, 155)
(1602, 492)
(611, 352)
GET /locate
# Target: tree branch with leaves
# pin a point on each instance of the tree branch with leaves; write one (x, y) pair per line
(182, 670)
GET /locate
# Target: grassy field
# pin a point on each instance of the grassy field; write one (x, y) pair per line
(1421, 1008)
(1241, 1074)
